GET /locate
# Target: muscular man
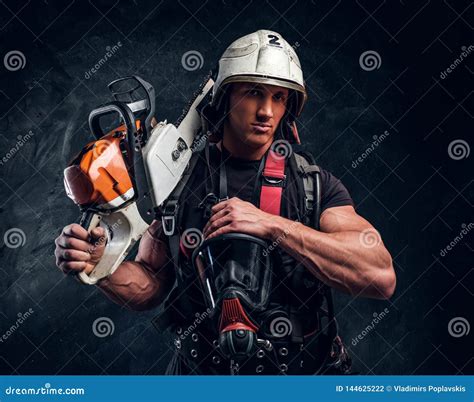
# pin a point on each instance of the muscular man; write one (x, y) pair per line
(258, 92)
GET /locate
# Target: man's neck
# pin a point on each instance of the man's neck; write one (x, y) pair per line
(239, 149)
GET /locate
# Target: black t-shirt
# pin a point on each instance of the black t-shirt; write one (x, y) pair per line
(295, 282)
(243, 174)
(242, 177)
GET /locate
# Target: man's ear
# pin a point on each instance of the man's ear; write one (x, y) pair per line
(216, 117)
(291, 105)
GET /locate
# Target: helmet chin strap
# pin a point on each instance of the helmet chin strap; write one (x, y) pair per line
(289, 121)
(287, 130)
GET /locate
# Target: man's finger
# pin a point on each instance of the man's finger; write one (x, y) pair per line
(73, 255)
(69, 267)
(98, 237)
(217, 215)
(98, 232)
(73, 243)
(225, 220)
(219, 206)
(75, 230)
(222, 230)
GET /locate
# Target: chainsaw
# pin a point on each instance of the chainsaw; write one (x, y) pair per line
(121, 180)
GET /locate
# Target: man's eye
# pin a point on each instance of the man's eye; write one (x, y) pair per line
(254, 92)
(280, 98)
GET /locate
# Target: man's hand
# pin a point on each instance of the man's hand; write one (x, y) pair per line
(77, 250)
(235, 215)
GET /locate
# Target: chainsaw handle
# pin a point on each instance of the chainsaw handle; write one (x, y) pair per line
(113, 107)
(89, 221)
(149, 100)
(136, 161)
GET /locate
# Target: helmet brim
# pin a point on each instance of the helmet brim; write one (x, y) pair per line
(261, 79)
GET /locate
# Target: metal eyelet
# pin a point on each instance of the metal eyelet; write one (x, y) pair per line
(260, 353)
(259, 368)
(179, 330)
(283, 368)
(195, 337)
(194, 353)
(216, 359)
(177, 343)
(283, 351)
(215, 343)
(273, 180)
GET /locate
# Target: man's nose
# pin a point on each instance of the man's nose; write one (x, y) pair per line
(265, 108)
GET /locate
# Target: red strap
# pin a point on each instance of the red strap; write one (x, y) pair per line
(274, 165)
(270, 195)
(270, 199)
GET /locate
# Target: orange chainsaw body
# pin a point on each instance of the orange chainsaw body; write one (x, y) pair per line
(99, 176)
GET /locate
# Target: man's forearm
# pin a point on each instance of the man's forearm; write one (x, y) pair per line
(337, 259)
(134, 286)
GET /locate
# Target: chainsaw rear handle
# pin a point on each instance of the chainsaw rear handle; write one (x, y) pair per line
(125, 114)
(123, 229)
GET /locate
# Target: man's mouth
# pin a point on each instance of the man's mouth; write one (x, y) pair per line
(261, 128)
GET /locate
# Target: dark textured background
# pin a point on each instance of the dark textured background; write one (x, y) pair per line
(414, 193)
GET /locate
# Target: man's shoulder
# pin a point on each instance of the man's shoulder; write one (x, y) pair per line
(305, 157)
(333, 191)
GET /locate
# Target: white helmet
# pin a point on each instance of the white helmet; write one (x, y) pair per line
(263, 57)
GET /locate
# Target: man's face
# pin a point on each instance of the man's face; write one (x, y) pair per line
(255, 111)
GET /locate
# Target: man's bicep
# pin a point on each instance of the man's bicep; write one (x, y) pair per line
(153, 249)
(342, 219)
